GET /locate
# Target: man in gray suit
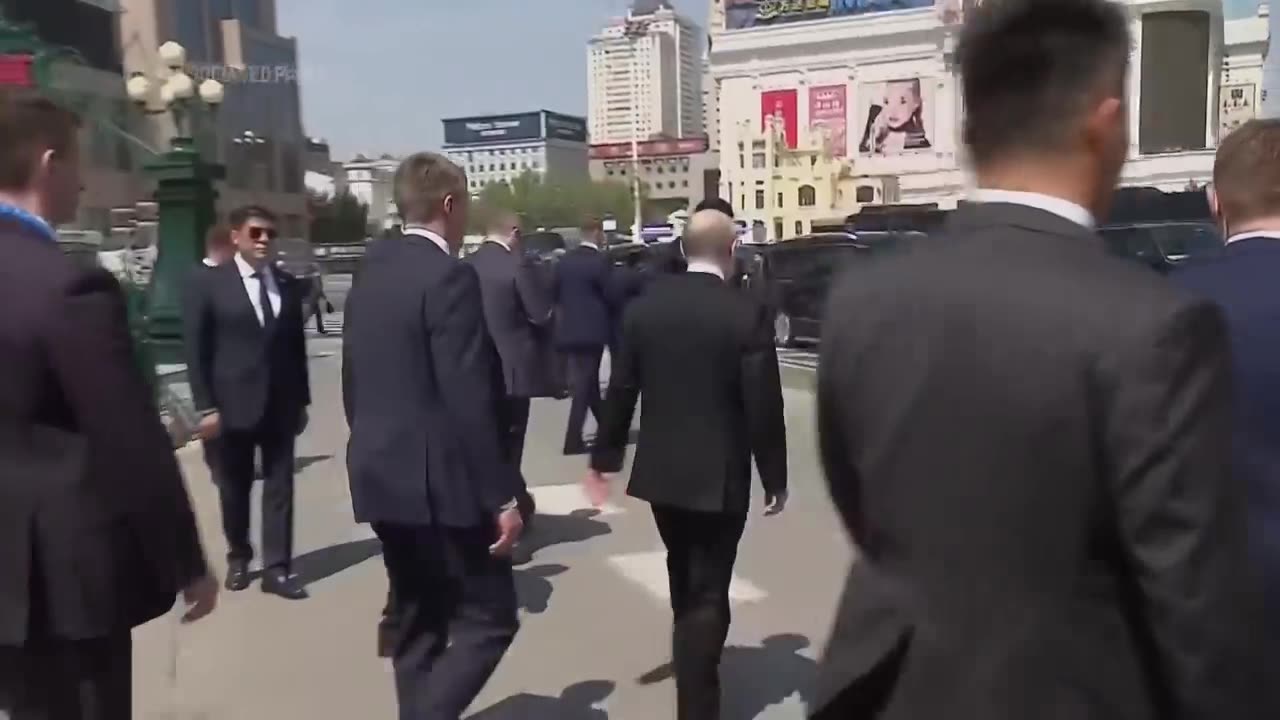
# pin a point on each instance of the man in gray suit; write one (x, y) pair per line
(517, 311)
(1028, 440)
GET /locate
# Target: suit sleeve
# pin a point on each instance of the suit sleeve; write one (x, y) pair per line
(1181, 513)
(835, 440)
(533, 295)
(762, 399)
(471, 384)
(348, 368)
(93, 356)
(299, 342)
(620, 401)
(197, 330)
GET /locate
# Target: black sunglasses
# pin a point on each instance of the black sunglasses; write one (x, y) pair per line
(256, 233)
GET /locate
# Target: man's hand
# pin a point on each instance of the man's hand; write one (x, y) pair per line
(201, 598)
(510, 525)
(210, 427)
(774, 504)
(303, 420)
(596, 486)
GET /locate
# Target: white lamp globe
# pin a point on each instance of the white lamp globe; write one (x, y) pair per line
(166, 94)
(138, 87)
(212, 92)
(173, 55)
(184, 88)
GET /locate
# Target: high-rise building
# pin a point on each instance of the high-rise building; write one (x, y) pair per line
(258, 131)
(502, 148)
(648, 86)
(1271, 68)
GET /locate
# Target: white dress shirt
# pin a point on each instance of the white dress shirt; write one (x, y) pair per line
(1062, 208)
(591, 245)
(208, 262)
(253, 288)
(702, 266)
(498, 241)
(433, 237)
(1274, 235)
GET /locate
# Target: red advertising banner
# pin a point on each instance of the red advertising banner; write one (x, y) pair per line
(781, 104)
(16, 70)
(652, 148)
(829, 109)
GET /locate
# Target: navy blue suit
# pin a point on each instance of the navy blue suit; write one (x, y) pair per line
(425, 400)
(1243, 283)
(581, 290)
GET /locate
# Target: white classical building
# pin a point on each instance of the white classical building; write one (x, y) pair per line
(826, 70)
(370, 181)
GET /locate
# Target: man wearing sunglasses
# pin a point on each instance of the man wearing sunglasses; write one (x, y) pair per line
(247, 363)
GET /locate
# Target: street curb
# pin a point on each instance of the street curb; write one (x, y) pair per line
(798, 378)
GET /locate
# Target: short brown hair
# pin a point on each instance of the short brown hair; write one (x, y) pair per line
(591, 225)
(422, 183)
(30, 126)
(243, 214)
(1246, 173)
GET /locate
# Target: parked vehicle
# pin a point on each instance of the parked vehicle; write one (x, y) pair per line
(543, 244)
(1163, 246)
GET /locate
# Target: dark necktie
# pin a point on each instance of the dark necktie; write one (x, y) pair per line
(268, 314)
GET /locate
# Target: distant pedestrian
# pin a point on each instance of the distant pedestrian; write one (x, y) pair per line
(582, 293)
(1027, 438)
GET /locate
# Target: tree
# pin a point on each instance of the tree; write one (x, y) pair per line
(553, 204)
(338, 220)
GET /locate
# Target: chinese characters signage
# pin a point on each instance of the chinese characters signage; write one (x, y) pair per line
(828, 114)
(1239, 105)
(754, 13)
(780, 106)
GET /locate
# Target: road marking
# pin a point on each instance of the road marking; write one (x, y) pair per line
(649, 571)
(567, 499)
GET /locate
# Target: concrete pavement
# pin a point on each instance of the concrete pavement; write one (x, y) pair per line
(596, 624)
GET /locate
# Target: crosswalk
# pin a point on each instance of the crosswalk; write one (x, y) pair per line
(798, 358)
(332, 324)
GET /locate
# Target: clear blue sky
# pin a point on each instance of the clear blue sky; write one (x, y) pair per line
(377, 75)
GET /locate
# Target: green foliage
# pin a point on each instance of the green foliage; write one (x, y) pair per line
(553, 204)
(340, 220)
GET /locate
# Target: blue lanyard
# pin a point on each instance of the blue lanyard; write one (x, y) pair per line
(32, 222)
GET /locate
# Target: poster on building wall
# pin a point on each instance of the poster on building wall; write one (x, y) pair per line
(781, 106)
(828, 115)
(758, 13)
(1239, 105)
(896, 116)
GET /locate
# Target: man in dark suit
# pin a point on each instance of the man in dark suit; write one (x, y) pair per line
(581, 291)
(425, 400)
(701, 357)
(1028, 439)
(1242, 282)
(97, 535)
(669, 258)
(247, 361)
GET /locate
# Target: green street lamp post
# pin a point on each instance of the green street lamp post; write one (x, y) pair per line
(184, 193)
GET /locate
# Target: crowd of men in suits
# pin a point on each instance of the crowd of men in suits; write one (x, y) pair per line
(1060, 470)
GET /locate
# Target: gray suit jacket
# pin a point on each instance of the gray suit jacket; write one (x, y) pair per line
(1029, 442)
(517, 311)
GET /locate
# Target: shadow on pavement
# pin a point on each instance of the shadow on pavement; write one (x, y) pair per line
(307, 461)
(533, 586)
(327, 562)
(576, 702)
(548, 530)
(754, 678)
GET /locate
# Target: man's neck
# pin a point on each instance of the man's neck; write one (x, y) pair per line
(1028, 177)
(27, 201)
(431, 227)
(1259, 226)
(255, 265)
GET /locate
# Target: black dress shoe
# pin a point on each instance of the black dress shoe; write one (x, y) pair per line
(237, 575)
(281, 584)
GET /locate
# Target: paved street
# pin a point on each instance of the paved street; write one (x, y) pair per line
(596, 623)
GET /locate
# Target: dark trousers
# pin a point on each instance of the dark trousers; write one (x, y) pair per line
(213, 458)
(68, 680)
(584, 386)
(455, 606)
(701, 550)
(238, 446)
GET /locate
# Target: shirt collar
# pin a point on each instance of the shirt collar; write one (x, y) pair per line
(1062, 208)
(1272, 234)
(702, 266)
(29, 219)
(248, 271)
(208, 262)
(498, 241)
(589, 245)
(428, 234)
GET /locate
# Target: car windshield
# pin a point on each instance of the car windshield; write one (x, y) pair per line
(542, 243)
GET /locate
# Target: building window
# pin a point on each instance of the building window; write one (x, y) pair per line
(742, 162)
(865, 194)
(758, 161)
(684, 183)
(779, 200)
(808, 196)
(799, 228)
(759, 199)
(777, 229)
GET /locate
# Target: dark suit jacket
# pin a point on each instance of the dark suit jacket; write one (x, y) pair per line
(580, 290)
(423, 391)
(1029, 442)
(701, 355)
(668, 257)
(1243, 283)
(96, 530)
(517, 311)
(233, 365)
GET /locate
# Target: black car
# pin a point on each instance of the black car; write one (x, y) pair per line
(1163, 246)
(543, 245)
(795, 276)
